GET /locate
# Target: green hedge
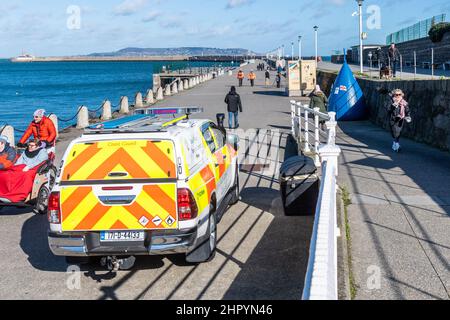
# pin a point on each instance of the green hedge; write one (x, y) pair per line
(437, 31)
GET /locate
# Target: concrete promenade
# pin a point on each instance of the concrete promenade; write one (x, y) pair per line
(400, 214)
(407, 74)
(261, 253)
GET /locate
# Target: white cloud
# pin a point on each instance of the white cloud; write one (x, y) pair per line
(237, 3)
(129, 7)
(152, 16)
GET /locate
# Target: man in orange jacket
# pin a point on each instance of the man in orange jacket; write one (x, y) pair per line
(42, 129)
(240, 76)
(252, 78)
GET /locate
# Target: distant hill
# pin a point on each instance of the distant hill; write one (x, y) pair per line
(184, 51)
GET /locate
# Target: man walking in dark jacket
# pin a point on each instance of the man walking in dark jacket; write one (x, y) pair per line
(394, 57)
(234, 105)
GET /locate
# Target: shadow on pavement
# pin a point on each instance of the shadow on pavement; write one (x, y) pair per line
(34, 243)
(426, 167)
(271, 93)
(277, 266)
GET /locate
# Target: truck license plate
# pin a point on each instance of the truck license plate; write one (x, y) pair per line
(115, 236)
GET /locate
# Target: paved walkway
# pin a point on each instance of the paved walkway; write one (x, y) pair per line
(399, 216)
(407, 74)
(261, 253)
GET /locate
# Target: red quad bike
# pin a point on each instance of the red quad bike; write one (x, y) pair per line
(28, 190)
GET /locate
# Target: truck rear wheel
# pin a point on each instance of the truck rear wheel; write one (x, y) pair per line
(236, 190)
(206, 250)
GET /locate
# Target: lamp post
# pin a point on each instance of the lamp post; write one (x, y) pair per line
(292, 47)
(315, 37)
(299, 47)
(360, 3)
(282, 51)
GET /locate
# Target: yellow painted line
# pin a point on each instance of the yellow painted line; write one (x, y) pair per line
(168, 123)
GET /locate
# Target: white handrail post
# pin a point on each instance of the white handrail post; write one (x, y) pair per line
(300, 137)
(307, 149)
(331, 126)
(316, 137)
(293, 118)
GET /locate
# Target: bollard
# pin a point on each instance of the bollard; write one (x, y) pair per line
(149, 97)
(175, 88)
(167, 92)
(186, 84)
(83, 117)
(198, 79)
(124, 106)
(230, 73)
(191, 83)
(159, 94)
(8, 131)
(180, 86)
(138, 100)
(106, 113)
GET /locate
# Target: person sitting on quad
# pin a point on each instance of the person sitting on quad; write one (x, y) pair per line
(42, 129)
(33, 156)
(7, 153)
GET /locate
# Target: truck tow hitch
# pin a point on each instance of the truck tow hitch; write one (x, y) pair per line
(112, 263)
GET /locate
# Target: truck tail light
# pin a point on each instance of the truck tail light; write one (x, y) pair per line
(187, 207)
(54, 208)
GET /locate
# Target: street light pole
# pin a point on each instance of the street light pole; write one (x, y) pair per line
(315, 37)
(282, 50)
(292, 46)
(299, 47)
(361, 53)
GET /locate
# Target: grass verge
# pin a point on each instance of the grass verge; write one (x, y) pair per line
(347, 201)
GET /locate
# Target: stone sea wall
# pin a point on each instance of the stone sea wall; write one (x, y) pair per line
(429, 102)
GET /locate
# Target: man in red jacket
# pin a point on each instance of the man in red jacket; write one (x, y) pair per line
(42, 129)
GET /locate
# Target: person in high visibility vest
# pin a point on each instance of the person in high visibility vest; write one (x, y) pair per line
(240, 76)
(252, 78)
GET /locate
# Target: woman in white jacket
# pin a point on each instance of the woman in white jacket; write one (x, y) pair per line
(33, 156)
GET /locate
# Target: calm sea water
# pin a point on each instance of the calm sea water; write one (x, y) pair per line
(61, 87)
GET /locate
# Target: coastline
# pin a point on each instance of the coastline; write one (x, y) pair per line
(104, 59)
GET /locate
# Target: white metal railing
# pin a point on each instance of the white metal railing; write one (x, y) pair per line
(301, 123)
(321, 275)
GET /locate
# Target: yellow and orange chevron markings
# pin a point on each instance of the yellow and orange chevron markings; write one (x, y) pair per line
(140, 159)
(82, 211)
(154, 207)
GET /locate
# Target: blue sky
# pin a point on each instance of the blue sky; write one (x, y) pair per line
(40, 27)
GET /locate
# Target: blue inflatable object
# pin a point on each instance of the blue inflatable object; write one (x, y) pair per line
(347, 98)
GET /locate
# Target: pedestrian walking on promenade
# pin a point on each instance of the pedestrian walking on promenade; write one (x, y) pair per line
(267, 76)
(252, 78)
(394, 57)
(240, 76)
(278, 80)
(234, 106)
(319, 100)
(399, 113)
